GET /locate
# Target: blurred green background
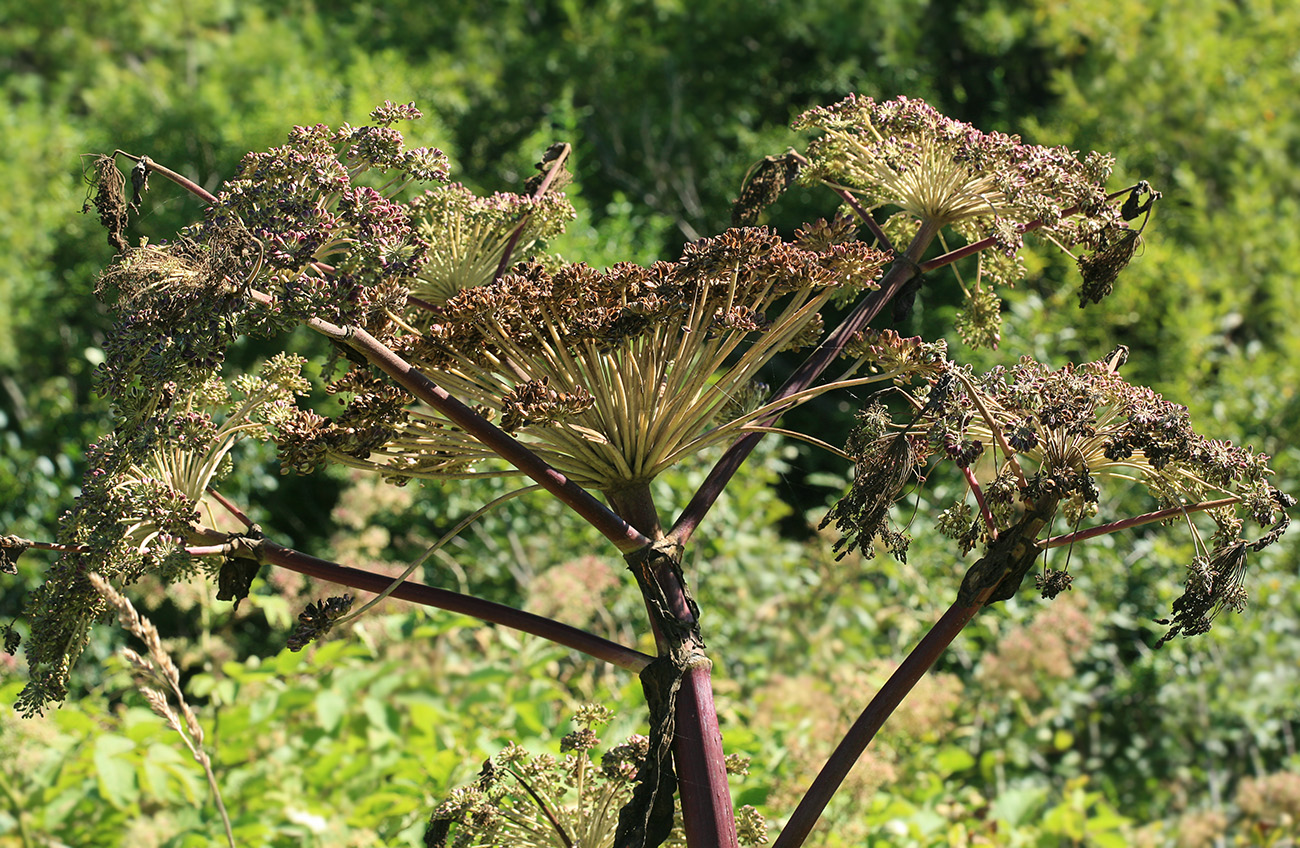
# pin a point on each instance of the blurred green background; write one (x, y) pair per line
(1049, 724)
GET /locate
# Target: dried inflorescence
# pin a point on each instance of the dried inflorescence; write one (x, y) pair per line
(525, 799)
(611, 376)
(317, 620)
(139, 504)
(1053, 437)
(468, 235)
(938, 173)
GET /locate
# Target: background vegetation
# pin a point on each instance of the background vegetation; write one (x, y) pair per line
(1049, 725)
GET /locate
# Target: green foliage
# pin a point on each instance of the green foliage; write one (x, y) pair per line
(339, 745)
(668, 104)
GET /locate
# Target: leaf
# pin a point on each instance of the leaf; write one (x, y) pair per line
(1017, 806)
(330, 707)
(114, 771)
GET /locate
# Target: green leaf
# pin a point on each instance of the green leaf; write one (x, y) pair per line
(330, 708)
(1017, 807)
(115, 771)
(953, 760)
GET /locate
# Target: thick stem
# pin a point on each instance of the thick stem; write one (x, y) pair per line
(903, 270)
(184, 182)
(995, 576)
(698, 756)
(707, 815)
(912, 669)
(1137, 521)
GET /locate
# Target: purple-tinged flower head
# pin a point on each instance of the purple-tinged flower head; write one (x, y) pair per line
(303, 204)
(903, 153)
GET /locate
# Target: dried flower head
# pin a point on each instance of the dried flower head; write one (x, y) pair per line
(988, 189)
(610, 376)
(140, 501)
(1053, 437)
(317, 620)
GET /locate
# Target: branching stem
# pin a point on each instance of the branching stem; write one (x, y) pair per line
(978, 492)
(900, 683)
(985, 243)
(899, 273)
(1136, 521)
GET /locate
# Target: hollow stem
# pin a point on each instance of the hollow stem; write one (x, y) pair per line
(1135, 521)
(526, 622)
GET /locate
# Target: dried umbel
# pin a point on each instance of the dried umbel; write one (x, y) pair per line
(987, 189)
(1043, 436)
(610, 376)
(140, 502)
(306, 207)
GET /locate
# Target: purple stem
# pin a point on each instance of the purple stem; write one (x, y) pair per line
(837, 767)
(563, 634)
(698, 755)
(556, 165)
(895, 278)
(624, 536)
(707, 816)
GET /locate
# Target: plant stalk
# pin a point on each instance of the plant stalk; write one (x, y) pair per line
(898, 275)
(900, 683)
(698, 756)
(525, 622)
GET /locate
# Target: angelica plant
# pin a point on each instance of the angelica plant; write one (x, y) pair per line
(462, 350)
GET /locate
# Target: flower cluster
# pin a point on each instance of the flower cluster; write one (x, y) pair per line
(1052, 437)
(139, 504)
(523, 799)
(302, 203)
(610, 376)
(904, 153)
(468, 235)
(938, 173)
(317, 620)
